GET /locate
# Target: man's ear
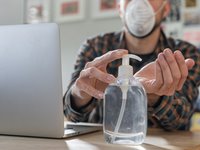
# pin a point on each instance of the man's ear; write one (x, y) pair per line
(167, 9)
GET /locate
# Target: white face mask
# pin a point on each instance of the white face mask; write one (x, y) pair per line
(139, 17)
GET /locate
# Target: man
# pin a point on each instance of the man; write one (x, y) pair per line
(168, 72)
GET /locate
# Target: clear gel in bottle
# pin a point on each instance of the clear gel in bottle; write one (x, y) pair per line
(125, 108)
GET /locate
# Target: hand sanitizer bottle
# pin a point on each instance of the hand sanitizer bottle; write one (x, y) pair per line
(125, 108)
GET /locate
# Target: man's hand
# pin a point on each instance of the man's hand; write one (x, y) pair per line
(165, 75)
(94, 78)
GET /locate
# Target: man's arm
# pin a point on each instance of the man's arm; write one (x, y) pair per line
(73, 113)
(89, 82)
(174, 112)
(174, 101)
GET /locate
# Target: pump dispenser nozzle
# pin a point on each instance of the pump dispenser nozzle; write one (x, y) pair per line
(125, 59)
(125, 69)
(126, 72)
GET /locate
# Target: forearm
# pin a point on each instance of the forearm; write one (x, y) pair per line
(152, 99)
(174, 112)
(76, 108)
(80, 98)
(74, 113)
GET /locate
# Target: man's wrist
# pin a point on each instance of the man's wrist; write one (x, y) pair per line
(152, 99)
(80, 99)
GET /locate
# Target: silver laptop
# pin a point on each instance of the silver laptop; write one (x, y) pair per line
(30, 82)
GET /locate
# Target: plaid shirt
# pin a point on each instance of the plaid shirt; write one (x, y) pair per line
(169, 112)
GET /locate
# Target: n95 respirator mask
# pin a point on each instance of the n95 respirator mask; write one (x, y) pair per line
(139, 17)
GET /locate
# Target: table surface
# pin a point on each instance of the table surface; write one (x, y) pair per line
(156, 139)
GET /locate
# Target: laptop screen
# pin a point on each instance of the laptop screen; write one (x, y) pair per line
(30, 81)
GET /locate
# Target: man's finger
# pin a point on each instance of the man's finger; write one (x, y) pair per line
(174, 68)
(109, 57)
(182, 67)
(93, 72)
(90, 90)
(166, 73)
(159, 78)
(190, 63)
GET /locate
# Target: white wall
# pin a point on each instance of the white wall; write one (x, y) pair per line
(11, 12)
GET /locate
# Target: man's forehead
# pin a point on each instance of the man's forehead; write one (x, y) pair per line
(140, 0)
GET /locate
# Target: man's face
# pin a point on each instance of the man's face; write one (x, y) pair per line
(156, 4)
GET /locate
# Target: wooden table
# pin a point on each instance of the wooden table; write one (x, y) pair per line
(156, 140)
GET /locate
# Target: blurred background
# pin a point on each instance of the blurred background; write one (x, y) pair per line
(80, 19)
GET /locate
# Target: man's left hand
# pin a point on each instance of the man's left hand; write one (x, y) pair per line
(165, 75)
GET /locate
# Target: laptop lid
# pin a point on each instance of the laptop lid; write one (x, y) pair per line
(30, 81)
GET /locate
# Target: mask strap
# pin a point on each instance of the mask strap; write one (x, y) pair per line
(162, 6)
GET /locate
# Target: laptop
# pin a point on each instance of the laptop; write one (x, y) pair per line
(31, 83)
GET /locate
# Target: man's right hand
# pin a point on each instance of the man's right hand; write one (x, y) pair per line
(94, 79)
